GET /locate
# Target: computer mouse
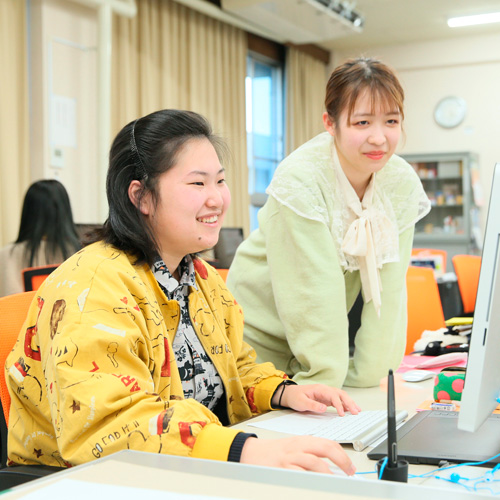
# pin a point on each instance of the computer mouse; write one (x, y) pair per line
(417, 375)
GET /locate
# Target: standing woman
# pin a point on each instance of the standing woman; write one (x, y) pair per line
(136, 343)
(47, 234)
(339, 219)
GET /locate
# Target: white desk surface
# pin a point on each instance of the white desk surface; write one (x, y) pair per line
(153, 474)
(408, 397)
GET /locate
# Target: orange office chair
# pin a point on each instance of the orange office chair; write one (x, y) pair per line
(421, 253)
(425, 311)
(13, 310)
(223, 273)
(467, 269)
(33, 277)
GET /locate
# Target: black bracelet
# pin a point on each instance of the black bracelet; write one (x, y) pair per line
(281, 395)
(283, 385)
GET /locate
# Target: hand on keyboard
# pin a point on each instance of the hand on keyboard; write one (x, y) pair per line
(315, 397)
(298, 453)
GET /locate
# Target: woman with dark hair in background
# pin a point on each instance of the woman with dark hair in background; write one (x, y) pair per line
(47, 234)
(138, 342)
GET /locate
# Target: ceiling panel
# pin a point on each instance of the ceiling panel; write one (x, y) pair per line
(389, 22)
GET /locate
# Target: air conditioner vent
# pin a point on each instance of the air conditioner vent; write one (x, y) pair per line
(299, 21)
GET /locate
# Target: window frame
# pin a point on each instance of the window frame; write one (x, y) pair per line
(259, 197)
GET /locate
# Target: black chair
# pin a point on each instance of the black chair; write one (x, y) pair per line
(18, 474)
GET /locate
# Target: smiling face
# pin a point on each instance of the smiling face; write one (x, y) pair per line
(366, 140)
(192, 200)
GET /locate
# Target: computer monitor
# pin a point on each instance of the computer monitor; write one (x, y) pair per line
(84, 232)
(229, 240)
(482, 380)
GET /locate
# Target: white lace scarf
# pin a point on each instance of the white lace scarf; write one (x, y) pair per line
(312, 184)
(370, 230)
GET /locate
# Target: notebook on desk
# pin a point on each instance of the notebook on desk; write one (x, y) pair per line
(432, 436)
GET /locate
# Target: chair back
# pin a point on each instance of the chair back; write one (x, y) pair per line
(422, 253)
(33, 277)
(13, 311)
(425, 311)
(467, 268)
(223, 273)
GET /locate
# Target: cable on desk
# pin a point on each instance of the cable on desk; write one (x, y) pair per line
(374, 471)
(384, 463)
(486, 478)
(474, 483)
(465, 464)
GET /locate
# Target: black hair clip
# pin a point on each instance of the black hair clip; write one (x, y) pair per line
(140, 168)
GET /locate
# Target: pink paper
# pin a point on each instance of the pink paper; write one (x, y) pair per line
(410, 361)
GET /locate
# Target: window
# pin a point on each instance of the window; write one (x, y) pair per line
(264, 114)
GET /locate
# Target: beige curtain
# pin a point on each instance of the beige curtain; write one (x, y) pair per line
(14, 127)
(306, 83)
(170, 56)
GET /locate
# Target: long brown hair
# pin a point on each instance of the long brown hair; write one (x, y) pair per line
(352, 78)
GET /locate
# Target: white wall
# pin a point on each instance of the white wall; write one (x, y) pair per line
(63, 57)
(63, 62)
(468, 67)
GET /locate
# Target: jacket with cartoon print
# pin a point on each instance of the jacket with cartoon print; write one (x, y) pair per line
(93, 370)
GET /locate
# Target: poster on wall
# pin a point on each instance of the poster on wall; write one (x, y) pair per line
(62, 121)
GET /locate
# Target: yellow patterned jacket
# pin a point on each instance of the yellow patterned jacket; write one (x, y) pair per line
(93, 370)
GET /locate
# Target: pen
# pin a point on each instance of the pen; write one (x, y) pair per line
(392, 444)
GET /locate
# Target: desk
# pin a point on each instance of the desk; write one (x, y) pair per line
(161, 473)
(408, 397)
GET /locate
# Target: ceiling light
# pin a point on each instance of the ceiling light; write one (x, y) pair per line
(456, 22)
(358, 21)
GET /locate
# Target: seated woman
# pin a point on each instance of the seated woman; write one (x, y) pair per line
(339, 220)
(46, 236)
(136, 343)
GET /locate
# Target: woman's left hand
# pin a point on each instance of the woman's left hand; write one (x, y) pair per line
(315, 397)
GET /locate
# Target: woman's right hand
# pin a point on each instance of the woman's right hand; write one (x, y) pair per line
(298, 453)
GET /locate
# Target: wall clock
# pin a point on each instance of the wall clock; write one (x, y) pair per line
(450, 111)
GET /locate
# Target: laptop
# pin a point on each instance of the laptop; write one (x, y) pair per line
(431, 437)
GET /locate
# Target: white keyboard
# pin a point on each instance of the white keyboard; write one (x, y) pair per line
(361, 430)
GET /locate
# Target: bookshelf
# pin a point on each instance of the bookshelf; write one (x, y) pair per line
(453, 222)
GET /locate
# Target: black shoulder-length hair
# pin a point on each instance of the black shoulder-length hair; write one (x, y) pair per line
(46, 215)
(143, 150)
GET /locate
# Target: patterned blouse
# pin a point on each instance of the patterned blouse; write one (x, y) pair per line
(200, 379)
